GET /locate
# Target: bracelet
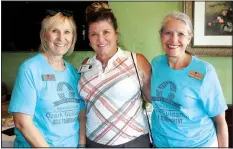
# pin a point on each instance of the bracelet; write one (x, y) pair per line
(82, 145)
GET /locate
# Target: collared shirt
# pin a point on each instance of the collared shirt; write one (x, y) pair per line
(113, 99)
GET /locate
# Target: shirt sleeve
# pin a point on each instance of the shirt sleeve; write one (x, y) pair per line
(211, 93)
(23, 98)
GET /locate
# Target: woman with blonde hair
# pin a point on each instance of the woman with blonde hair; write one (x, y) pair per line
(47, 109)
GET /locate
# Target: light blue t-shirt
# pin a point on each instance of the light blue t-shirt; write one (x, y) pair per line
(183, 105)
(51, 97)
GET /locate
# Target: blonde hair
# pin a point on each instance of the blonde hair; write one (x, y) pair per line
(48, 22)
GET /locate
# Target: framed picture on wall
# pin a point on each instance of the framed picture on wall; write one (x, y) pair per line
(212, 23)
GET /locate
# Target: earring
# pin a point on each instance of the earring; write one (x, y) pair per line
(89, 44)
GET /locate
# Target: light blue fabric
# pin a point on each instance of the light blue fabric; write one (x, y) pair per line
(183, 105)
(54, 105)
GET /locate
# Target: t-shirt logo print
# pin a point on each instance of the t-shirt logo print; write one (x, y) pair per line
(64, 113)
(62, 96)
(166, 109)
(170, 96)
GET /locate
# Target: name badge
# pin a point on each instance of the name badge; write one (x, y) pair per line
(85, 68)
(195, 74)
(49, 77)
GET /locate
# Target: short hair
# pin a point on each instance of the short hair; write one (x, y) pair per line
(178, 16)
(46, 24)
(182, 17)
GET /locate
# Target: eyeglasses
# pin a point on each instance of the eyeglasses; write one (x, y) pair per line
(66, 13)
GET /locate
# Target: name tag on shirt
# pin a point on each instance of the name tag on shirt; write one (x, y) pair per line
(195, 74)
(49, 77)
(85, 68)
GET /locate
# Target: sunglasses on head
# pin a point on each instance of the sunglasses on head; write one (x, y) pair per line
(66, 13)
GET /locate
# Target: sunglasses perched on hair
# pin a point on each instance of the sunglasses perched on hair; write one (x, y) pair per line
(66, 13)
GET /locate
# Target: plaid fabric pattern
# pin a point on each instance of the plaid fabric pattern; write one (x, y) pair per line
(113, 101)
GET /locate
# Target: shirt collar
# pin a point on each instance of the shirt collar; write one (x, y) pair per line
(119, 55)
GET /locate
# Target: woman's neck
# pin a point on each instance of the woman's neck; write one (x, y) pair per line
(105, 58)
(55, 61)
(179, 62)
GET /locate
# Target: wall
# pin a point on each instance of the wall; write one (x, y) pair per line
(139, 24)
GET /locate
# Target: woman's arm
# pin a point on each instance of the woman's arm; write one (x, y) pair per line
(24, 124)
(144, 68)
(82, 132)
(222, 130)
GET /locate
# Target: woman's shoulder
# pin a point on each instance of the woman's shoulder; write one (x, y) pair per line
(72, 70)
(202, 64)
(158, 59)
(71, 67)
(33, 62)
(203, 67)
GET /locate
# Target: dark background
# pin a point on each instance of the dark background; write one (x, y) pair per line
(21, 23)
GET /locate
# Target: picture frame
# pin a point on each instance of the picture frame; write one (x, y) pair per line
(201, 44)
